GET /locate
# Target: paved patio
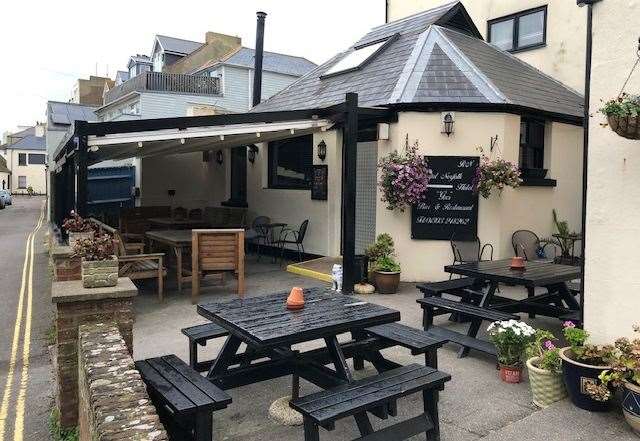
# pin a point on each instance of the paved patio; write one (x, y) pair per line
(474, 405)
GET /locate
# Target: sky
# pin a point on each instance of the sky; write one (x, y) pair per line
(47, 45)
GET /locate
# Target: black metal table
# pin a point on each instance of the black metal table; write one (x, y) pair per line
(556, 302)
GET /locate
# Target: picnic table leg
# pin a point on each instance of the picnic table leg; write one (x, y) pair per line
(203, 430)
(474, 327)
(311, 432)
(431, 358)
(358, 360)
(178, 253)
(531, 292)
(225, 356)
(430, 401)
(567, 297)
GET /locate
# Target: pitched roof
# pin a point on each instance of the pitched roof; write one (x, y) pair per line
(61, 115)
(177, 45)
(29, 142)
(271, 62)
(433, 57)
(121, 77)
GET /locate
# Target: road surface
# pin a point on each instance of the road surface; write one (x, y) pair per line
(26, 380)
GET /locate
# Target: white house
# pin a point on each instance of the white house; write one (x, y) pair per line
(25, 156)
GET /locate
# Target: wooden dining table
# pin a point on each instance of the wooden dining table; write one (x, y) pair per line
(177, 223)
(177, 241)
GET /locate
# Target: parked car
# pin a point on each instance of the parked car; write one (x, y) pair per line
(5, 195)
(1, 203)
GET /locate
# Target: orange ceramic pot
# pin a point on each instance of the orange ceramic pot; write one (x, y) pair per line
(517, 263)
(295, 299)
(511, 374)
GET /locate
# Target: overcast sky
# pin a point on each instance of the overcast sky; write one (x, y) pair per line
(47, 45)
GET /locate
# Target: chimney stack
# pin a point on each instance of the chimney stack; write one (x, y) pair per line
(257, 72)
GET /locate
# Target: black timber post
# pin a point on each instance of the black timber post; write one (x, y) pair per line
(82, 178)
(349, 158)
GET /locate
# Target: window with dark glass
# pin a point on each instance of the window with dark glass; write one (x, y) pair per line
(291, 163)
(520, 31)
(36, 158)
(22, 159)
(22, 182)
(531, 144)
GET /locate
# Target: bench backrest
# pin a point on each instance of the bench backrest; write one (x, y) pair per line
(217, 250)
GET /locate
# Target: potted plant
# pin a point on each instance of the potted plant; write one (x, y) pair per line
(564, 239)
(624, 374)
(99, 264)
(387, 274)
(582, 363)
(403, 177)
(511, 338)
(77, 228)
(623, 115)
(495, 174)
(545, 368)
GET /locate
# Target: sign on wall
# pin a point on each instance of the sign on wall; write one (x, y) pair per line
(451, 205)
(319, 187)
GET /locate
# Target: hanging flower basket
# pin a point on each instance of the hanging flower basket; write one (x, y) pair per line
(495, 174)
(625, 126)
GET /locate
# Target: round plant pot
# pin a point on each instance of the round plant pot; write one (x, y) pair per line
(76, 236)
(99, 273)
(625, 126)
(576, 375)
(387, 282)
(631, 406)
(511, 374)
(546, 386)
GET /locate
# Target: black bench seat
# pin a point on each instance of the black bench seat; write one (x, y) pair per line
(200, 335)
(356, 398)
(417, 340)
(467, 309)
(185, 400)
(447, 286)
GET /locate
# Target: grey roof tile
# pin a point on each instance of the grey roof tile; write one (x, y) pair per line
(272, 61)
(61, 115)
(29, 142)
(177, 45)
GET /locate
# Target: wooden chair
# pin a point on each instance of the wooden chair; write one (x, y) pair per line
(216, 252)
(140, 266)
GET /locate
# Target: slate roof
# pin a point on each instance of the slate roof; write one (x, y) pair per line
(29, 142)
(121, 77)
(177, 45)
(271, 62)
(61, 115)
(437, 57)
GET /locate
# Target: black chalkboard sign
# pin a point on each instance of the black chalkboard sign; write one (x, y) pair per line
(319, 180)
(451, 205)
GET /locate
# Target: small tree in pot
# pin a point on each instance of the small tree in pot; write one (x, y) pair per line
(77, 228)
(99, 264)
(545, 366)
(582, 363)
(384, 267)
(511, 338)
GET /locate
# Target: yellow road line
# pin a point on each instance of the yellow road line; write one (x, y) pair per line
(18, 430)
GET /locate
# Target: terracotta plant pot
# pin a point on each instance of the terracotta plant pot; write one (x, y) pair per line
(517, 263)
(387, 282)
(631, 406)
(76, 236)
(511, 374)
(295, 299)
(99, 273)
(576, 375)
(546, 386)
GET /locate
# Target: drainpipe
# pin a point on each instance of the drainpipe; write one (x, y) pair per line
(585, 148)
(257, 71)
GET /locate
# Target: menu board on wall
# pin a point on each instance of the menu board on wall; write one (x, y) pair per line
(451, 205)
(319, 180)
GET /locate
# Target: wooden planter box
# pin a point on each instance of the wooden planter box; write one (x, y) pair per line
(100, 273)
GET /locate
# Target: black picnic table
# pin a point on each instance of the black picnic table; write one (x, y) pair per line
(557, 301)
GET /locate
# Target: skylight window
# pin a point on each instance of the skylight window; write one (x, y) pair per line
(358, 57)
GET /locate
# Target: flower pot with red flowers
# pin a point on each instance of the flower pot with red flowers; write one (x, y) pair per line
(99, 264)
(625, 375)
(545, 370)
(582, 365)
(77, 228)
(510, 338)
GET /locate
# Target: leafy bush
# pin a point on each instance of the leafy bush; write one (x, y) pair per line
(623, 106)
(76, 224)
(403, 178)
(383, 246)
(511, 338)
(548, 354)
(94, 248)
(387, 264)
(595, 355)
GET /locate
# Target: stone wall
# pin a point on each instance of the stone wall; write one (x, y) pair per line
(64, 266)
(113, 399)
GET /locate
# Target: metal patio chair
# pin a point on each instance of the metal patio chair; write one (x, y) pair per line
(465, 251)
(290, 236)
(258, 233)
(195, 213)
(180, 213)
(527, 244)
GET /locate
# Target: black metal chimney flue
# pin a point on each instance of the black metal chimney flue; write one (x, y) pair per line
(257, 72)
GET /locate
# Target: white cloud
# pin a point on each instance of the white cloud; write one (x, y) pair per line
(47, 45)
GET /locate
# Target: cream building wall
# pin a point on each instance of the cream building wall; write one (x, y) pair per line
(35, 173)
(563, 55)
(612, 303)
(501, 214)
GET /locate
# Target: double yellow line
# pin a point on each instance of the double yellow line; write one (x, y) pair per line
(25, 287)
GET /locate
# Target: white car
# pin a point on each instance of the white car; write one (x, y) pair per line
(5, 195)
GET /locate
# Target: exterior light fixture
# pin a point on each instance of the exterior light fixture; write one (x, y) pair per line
(219, 157)
(322, 150)
(447, 123)
(139, 144)
(251, 155)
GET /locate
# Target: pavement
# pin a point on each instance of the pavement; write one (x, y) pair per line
(27, 397)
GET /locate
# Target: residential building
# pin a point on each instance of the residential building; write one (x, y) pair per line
(89, 92)
(547, 34)
(26, 160)
(4, 173)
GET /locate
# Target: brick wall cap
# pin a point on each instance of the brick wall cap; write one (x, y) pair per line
(73, 291)
(61, 251)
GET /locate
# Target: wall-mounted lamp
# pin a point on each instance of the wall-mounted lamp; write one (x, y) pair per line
(205, 156)
(322, 150)
(219, 157)
(447, 123)
(251, 154)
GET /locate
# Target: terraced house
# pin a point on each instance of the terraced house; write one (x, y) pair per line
(25, 155)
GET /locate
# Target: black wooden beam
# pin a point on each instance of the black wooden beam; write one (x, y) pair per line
(349, 161)
(82, 181)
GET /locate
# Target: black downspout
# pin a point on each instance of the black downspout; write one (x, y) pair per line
(349, 161)
(257, 71)
(82, 180)
(585, 148)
